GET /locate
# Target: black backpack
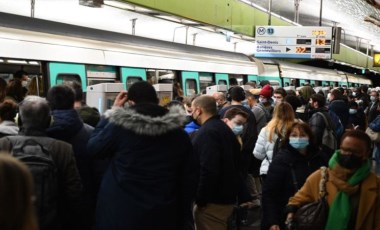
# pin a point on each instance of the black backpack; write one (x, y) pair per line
(45, 174)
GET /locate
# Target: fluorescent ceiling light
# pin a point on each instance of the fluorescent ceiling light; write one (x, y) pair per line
(33, 63)
(1, 60)
(16, 62)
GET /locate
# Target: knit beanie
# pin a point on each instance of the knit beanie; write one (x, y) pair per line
(266, 91)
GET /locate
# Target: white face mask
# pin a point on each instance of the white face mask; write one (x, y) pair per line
(24, 83)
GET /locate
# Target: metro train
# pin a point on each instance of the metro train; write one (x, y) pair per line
(60, 52)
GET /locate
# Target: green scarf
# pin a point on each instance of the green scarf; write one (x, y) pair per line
(340, 210)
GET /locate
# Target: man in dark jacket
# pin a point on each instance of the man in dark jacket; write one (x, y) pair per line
(339, 106)
(218, 151)
(316, 121)
(61, 207)
(68, 126)
(373, 109)
(151, 180)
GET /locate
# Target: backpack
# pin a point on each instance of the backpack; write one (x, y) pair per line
(339, 129)
(329, 141)
(45, 173)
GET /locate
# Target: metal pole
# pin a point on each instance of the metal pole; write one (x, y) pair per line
(270, 13)
(32, 3)
(296, 10)
(320, 13)
(133, 25)
(187, 31)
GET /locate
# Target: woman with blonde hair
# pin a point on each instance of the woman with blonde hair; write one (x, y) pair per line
(282, 120)
(16, 191)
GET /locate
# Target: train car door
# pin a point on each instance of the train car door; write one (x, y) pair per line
(131, 75)
(190, 81)
(205, 80)
(62, 72)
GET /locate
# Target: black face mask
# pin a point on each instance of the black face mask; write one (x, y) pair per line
(194, 120)
(349, 161)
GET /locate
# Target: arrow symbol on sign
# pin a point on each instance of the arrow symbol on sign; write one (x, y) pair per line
(287, 49)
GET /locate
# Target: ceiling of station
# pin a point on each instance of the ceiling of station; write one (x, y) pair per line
(359, 20)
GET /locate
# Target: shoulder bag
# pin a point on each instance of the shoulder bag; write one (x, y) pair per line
(314, 215)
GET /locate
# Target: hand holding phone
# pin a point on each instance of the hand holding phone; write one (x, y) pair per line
(120, 99)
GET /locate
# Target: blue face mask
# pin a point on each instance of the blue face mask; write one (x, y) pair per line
(299, 142)
(237, 129)
(372, 98)
(353, 111)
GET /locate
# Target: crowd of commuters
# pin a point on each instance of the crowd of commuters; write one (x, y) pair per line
(187, 165)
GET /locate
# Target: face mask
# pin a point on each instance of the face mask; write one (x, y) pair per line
(354, 94)
(349, 161)
(24, 83)
(237, 129)
(245, 103)
(353, 111)
(299, 142)
(193, 119)
(373, 98)
(263, 100)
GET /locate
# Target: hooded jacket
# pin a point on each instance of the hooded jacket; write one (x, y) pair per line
(151, 180)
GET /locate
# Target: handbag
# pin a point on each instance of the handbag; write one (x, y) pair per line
(375, 136)
(314, 215)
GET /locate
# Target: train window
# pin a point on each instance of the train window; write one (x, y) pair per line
(191, 87)
(222, 82)
(240, 78)
(66, 77)
(205, 81)
(132, 79)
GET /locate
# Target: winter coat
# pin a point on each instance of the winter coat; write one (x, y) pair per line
(218, 151)
(279, 184)
(69, 127)
(372, 111)
(375, 124)
(249, 137)
(264, 149)
(368, 214)
(66, 213)
(151, 180)
(8, 128)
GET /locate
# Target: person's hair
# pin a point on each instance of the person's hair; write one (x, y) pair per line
(77, 87)
(233, 112)
(142, 92)
(353, 104)
(36, 86)
(19, 74)
(237, 93)
(281, 91)
(301, 126)
(15, 90)
(3, 89)
(374, 91)
(294, 101)
(358, 134)
(206, 103)
(318, 98)
(290, 92)
(283, 118)
(16, 182)
(337, 94)
(61, 97)
(233, 81)
(34, 113)
(8, 110)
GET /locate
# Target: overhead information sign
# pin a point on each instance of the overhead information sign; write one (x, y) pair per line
(293, 42)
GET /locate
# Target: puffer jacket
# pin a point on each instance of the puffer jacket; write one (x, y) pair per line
(264, 149)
